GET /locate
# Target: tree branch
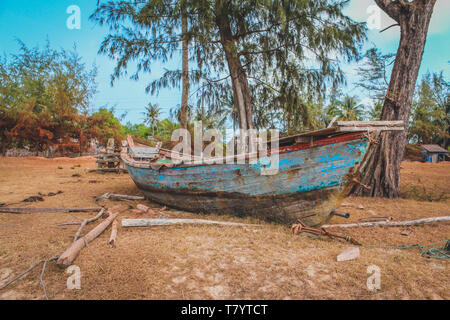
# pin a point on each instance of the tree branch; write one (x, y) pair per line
(394, 25)
(391, 8)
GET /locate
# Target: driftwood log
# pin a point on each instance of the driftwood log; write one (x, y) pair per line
(166, 222)
(66, 259)
(46, 210)
(112, 238)
(389, 224)
(86, 222)
(111, 196)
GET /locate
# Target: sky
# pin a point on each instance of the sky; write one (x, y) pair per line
(35, 21)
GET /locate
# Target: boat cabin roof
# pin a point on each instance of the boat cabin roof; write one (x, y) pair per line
(341, 127)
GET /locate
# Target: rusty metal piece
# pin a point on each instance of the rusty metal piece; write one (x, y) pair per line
(301, 227)
(345, 215)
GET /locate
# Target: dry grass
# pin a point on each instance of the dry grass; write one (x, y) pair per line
(211, 262)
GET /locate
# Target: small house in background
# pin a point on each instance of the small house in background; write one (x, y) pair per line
(434, 153)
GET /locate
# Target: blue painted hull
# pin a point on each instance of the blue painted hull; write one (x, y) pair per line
(310, 181)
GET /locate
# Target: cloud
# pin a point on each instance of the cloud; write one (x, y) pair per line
(439, 21)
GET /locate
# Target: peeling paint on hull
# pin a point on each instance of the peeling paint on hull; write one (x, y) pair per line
(311, 180)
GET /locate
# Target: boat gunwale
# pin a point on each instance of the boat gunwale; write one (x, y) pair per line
(128, 160)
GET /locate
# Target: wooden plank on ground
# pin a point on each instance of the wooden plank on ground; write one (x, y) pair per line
(166, 222)
(390, 224)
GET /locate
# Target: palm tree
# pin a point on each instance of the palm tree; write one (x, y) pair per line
(229, 109)
(349, 109)
(165, 129)
(151, 113)
(175, 113)
(375, 111)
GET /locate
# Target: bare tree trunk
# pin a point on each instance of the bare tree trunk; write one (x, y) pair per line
(186, 84)
(382, 173)
(238, 75)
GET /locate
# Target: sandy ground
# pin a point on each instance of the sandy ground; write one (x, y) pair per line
(215, 262)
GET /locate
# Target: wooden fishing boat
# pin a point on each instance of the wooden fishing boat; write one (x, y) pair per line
(316, 171)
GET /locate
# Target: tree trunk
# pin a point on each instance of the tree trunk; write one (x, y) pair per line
(382, 173)
(185, 53)
(238, 75)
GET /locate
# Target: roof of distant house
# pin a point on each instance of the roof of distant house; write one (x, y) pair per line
(434, 148)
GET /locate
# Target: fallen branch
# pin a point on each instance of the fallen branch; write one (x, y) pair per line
(86, 222)
(45, 210)
(25, 272)
(72, 252)
(112, 238)
(41, 278)
(167, 222)
(69, 224)
(111, 196)
(389, 224)
(93, 254)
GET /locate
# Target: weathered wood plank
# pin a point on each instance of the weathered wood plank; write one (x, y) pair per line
(390, 224)
(126, 223)
(368, 129)
(369, 123)
(316, 133)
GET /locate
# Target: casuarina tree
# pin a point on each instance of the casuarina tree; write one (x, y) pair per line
(236, 45)
(146, 32)
(382, 174)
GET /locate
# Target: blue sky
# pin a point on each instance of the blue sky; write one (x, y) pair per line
(33, 21)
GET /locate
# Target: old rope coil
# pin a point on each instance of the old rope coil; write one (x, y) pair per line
(443, 253)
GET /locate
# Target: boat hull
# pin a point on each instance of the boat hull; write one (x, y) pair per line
(310, 180)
